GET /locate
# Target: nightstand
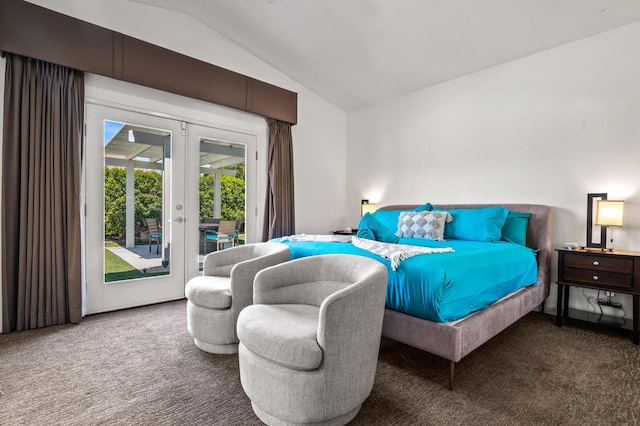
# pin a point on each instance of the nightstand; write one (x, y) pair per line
(617, 271)
(348, 231)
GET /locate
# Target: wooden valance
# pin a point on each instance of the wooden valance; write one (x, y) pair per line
(37, 32)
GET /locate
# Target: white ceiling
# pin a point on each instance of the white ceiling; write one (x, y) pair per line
(358, 52)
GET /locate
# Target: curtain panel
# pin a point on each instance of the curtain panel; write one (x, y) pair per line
(279, 218)
(41, 167)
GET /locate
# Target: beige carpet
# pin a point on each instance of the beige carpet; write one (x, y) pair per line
(140, 367)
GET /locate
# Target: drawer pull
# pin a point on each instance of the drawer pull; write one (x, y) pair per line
(595, 278)
(596, 263)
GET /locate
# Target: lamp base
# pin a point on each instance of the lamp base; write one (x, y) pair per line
(596, 249)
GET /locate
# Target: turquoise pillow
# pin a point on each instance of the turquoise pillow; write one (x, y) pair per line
(426, 207)
(515, 228)
(389, 218)
(481, 224)
(370, 226)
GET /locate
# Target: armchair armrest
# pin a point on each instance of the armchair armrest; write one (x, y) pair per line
(220, 263)
(241, 264)
(270, 284)
(351, 311)
(244, 272)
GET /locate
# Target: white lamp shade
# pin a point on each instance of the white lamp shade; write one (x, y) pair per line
(609, 213)
(367, 208)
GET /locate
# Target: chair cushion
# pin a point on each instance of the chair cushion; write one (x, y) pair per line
(284, 334)
(209, 292)
(216, 237)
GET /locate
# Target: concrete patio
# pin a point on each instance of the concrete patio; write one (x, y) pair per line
(140, 258)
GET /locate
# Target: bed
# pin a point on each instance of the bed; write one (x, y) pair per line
(454, 333)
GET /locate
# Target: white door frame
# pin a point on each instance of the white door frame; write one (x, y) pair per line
(103, 296)
(126, 96)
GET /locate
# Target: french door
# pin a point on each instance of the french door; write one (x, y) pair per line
(150, 183)
(122, 146)
(217, 155)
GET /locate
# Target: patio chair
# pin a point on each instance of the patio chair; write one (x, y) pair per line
(239, 231)
(155, 233)
(207, 224)
(225, 234)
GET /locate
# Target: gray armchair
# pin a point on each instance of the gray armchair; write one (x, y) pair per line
(226, 286)
(309, 344)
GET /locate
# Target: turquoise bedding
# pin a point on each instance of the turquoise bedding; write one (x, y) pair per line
(444, 287)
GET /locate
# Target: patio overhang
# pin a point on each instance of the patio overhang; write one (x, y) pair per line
(134, 147)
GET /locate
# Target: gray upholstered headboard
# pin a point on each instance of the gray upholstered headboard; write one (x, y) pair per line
(538, 230)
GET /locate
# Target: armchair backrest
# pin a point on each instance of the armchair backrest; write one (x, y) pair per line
(310, 280)
(222, 263)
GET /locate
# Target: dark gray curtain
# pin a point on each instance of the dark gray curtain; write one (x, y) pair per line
(279, 218)
(41, 163)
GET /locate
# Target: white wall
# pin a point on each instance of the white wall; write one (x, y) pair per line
(546, 129)
(319, 138)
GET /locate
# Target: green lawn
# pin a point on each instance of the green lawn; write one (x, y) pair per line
(117, 269)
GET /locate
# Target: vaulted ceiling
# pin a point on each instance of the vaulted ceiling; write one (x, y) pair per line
(358, 52)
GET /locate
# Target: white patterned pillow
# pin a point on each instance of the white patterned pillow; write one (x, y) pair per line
(427, 225)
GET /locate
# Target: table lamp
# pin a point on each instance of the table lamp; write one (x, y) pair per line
(608, 214)
(367, 207)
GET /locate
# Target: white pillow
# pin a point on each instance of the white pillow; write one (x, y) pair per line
(426, 225)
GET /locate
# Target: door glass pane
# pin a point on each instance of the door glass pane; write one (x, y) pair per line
(221, 195)
(135, 182)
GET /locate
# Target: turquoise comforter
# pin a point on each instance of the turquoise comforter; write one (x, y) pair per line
(444, 287)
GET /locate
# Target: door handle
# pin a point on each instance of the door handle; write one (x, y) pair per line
(178, 220)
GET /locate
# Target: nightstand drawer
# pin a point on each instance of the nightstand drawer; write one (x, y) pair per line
(598, 278)
(599, 263)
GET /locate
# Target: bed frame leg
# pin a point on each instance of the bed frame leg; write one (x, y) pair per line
(452, 366)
